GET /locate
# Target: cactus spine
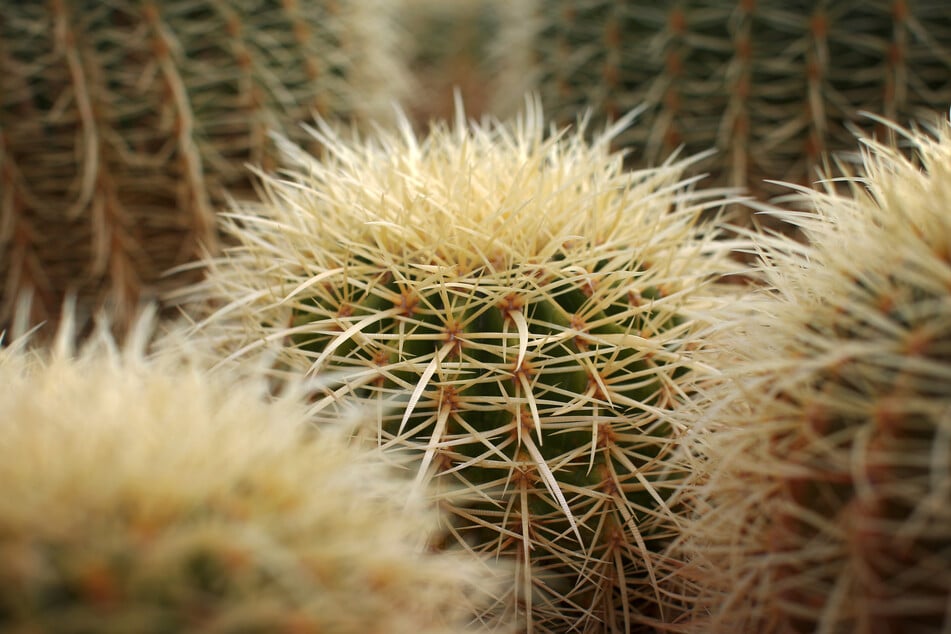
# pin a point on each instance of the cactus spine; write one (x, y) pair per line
(527, 304)
(773, 85)
(123, 124)
(150, 496)
(829, 505)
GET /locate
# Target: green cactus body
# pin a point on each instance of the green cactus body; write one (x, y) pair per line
(123, 125)
(828, 507)
(148, 495)
(773, 85)
(518, 310)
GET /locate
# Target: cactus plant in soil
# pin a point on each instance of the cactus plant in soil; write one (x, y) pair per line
(147, 495)
(519, 310)
(774, 85)
(828, 505)
(124, 124)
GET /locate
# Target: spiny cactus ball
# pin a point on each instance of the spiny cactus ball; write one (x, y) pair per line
(519, 310)
(152, 497)
(828, 507)
(124, 124)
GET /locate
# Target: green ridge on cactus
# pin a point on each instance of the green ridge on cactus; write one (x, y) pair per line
(773, 85)
(124, 124)
(519, 310)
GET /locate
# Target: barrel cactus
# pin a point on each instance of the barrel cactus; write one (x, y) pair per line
(828, 508)
(123, 124)
(519, 310)
(774, 85)
(146, 495)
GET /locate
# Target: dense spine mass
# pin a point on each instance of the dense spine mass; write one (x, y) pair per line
(123, 124)
(518, 310)
(144, 495)
(773, 85)
(828, 502)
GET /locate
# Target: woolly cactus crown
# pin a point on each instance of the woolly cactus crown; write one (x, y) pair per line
(149, 496)
(829, 506)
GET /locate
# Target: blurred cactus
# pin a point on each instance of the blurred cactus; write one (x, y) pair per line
(529, 304)
(148, 496)
(828, 506)
(123, 124)
(773, 85)
(452, 46)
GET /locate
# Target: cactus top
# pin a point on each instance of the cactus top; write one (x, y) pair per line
(481, 196)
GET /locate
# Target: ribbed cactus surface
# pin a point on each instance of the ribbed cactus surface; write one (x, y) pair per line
(828, 506)
(518, 310)
(123, 124)
(771, 84)
(150, 496)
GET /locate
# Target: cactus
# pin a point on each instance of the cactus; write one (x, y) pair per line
(124, 124)
(828, 507)
(773, 85)
(450, 49)
(146, 495)
(529, 306)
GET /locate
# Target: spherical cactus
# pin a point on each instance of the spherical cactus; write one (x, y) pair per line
(772, 84)
(149, 496)
(123, 124)
(828, 502)
(519, 309)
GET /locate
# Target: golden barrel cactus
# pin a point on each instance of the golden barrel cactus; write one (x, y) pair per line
(123, 125)
(825, 503)
(519, 310)
(150, 496)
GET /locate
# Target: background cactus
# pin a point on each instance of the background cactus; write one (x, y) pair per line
(450, 47)
(773, 85)
(828, 507)
(149, 496)
(527, 303)
(123, 124)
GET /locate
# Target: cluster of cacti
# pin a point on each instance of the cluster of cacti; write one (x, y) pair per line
(122, 125)
(773, 85)
(828, 506)
(150, 496)
(519, 311)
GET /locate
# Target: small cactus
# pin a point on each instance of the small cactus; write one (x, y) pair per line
(146, 495)
(828, 502)
(773, 85)
(527, 303)
(124, 124)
